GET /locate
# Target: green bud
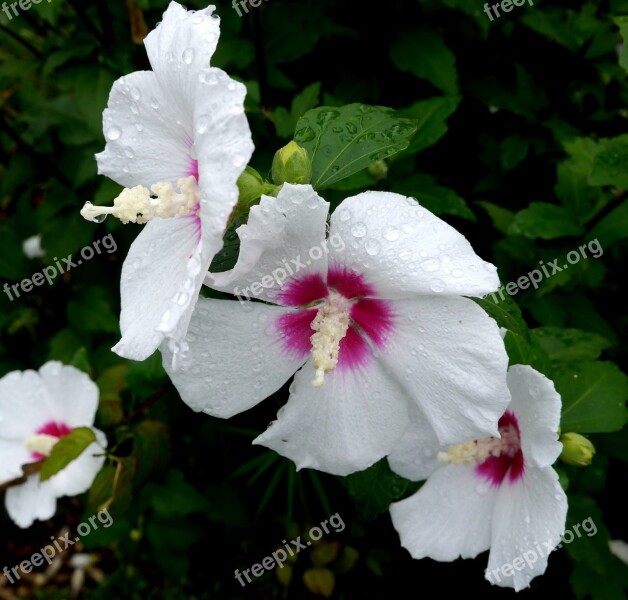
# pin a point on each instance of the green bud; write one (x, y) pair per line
(378, 169)
(577, 450)
(291, 165)
(250, 185)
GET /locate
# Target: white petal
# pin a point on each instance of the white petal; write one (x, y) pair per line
(449, 357)
(528, 521)
(403, 249)
(73, 394)
(13, 454)
(79, 475)
(415, 455)
(223, 147)
(161, 278)
(149, 138)
(450, 516)
(277, 242)
(179, 47)
(536, 403)
(235, 359)
(345, 425)
(25, 404)
(30, 501)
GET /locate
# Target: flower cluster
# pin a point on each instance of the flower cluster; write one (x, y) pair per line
(387, 353)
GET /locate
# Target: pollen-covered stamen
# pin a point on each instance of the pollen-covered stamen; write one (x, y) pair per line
(41, 443)
(136, 205)
(330, 324)
(475, 452)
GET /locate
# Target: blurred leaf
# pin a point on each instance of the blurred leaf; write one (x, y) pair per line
(612, 228)
(176, 497)
(91, 312)
(622, 23)
(344, 140)
(431, 116)
(67, 449)
(320, 582)
(610, 165)
(545, 221)
(285, 121)
(570, 345)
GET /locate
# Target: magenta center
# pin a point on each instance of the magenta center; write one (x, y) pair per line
(370, 319)
(53, 429)
(510, 461)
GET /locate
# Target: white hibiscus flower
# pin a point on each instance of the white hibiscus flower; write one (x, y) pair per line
(36, 410)
(372, 321)
(177, 137)
(500, 494)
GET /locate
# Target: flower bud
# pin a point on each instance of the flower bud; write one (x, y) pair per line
(250, 187)
(291, 164)
(577, 450)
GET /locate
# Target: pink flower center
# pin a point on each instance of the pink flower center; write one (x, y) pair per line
(53, 429)
(509, 460)
(370, 319)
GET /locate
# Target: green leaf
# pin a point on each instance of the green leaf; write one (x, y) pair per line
(610, 165)
(612, 228)
(176, 497)
(501, 217)
(425, 54)
(575, 193)
(80, 360)
(12, 262)
(570, 345)
(67, 449)
(505, 311)
(376, 487)
(431, 116)
(285, 121)
(594, 396)
(622, 22)
(91, 312)
(545, 221)
(344, 140)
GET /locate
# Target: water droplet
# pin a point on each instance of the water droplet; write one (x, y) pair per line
(372, 246)
(202, 123)
(457, 272)
(198, 19)
(113, 133)
(437, 285)
(211, 37)
(391, 234)
(154, 102)
(139, 127)
(239, 161)
(430, 265)
(345, 215)
(135, 93)
(359, 230)
(188, 56)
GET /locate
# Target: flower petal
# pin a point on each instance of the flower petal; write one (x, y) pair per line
(232, 347)
(450, 359)
(73, 394)
(415, 455)
(31, 501)
(161, 278)
(276, 244)
(149, 138)
(528, 521)
(79, 475)
(179, 47)
(403, 249)
(25, 404)
(450, 516)
(536, 403)
(13, 454)
(346, 425)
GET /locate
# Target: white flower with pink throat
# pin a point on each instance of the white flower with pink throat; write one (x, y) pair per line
(498, 493)
(371, 328)
(177, 139)
(37, 409)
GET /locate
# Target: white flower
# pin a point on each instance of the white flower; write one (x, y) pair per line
(180, 132)
(36, 410)
(497, 493)
(372, 320)
(32, 247)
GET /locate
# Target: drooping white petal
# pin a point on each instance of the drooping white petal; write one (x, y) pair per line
(277, 243)
(449, 357)
(161, 277)
(179, 47)
(79, 475)
(449, 517)
(13, 454)
(31, 501)
(415, 455)
(536, 403)
(223, 147)
(149, 137)
(403, 249)
(235, 358)
(25, 404)
(73, 394)
(345, 425)
(528, 521)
